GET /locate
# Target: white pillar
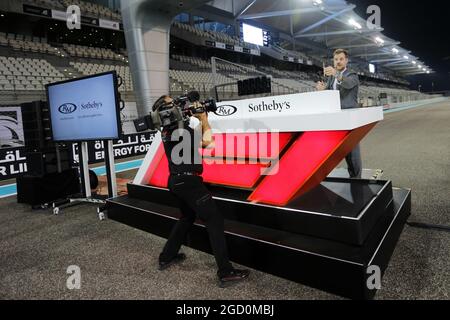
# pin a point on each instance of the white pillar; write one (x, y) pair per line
(147, 33)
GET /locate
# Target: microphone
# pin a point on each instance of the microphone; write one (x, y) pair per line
(324, 75)
(193, 96)
(325, 78)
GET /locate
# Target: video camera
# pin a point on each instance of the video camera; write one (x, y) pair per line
(176, 114)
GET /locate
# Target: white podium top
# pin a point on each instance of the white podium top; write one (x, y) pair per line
(312, 111)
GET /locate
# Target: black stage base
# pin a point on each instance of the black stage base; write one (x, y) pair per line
(338, 209)
(325, 239)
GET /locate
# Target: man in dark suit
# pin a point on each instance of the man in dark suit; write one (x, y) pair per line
(347, 82)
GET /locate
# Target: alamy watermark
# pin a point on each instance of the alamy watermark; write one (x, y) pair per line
(73, 17)
(240, 146)
(374, 278)
(73, 282)
(374, 20)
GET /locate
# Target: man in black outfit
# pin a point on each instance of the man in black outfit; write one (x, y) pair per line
(187, 185)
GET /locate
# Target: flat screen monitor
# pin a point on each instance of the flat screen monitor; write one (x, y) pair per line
(85, 109)
(253, 34)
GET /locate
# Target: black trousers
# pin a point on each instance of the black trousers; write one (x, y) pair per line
(195, 200)
(354, 163)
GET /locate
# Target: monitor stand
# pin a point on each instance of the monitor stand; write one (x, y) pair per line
(86, 195)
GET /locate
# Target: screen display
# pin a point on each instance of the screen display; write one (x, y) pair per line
(372, 68)
(253, 34)
(84, 109)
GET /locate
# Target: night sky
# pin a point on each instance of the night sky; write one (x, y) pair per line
(422, 27)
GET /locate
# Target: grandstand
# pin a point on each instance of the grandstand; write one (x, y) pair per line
(208, 34)
(89, 52)
(20, 42)
(92, 68)
(192, 73)
(195, 31)
(34, 61)
(88, 8)
(27, 74)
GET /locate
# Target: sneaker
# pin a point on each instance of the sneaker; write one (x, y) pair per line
(163, 265)
(233, 276)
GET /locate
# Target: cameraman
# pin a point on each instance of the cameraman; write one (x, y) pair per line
(186, 183)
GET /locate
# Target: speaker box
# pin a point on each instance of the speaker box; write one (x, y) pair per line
(36, 190)
(44, 162)
(36, 125)
(258, 85)
(251, 86)
(240, 88)
(266, 85)
(243, 87)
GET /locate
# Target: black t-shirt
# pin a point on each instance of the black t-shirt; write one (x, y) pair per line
(176, 145)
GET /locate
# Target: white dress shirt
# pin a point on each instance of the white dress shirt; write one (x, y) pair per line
(336, 81)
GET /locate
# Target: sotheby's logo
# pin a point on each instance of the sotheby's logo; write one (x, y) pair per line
(225, 111)
(273, 106)
(67, 108)
(91, 105)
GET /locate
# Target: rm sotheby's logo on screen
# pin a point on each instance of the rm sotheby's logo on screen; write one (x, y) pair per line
(226, 110)
(67, 108)
(91, 105)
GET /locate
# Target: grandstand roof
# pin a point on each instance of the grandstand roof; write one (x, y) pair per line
(322, 25)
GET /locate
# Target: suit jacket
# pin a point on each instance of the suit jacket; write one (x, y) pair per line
(348, 88)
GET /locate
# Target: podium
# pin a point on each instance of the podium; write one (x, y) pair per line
(269, 174)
